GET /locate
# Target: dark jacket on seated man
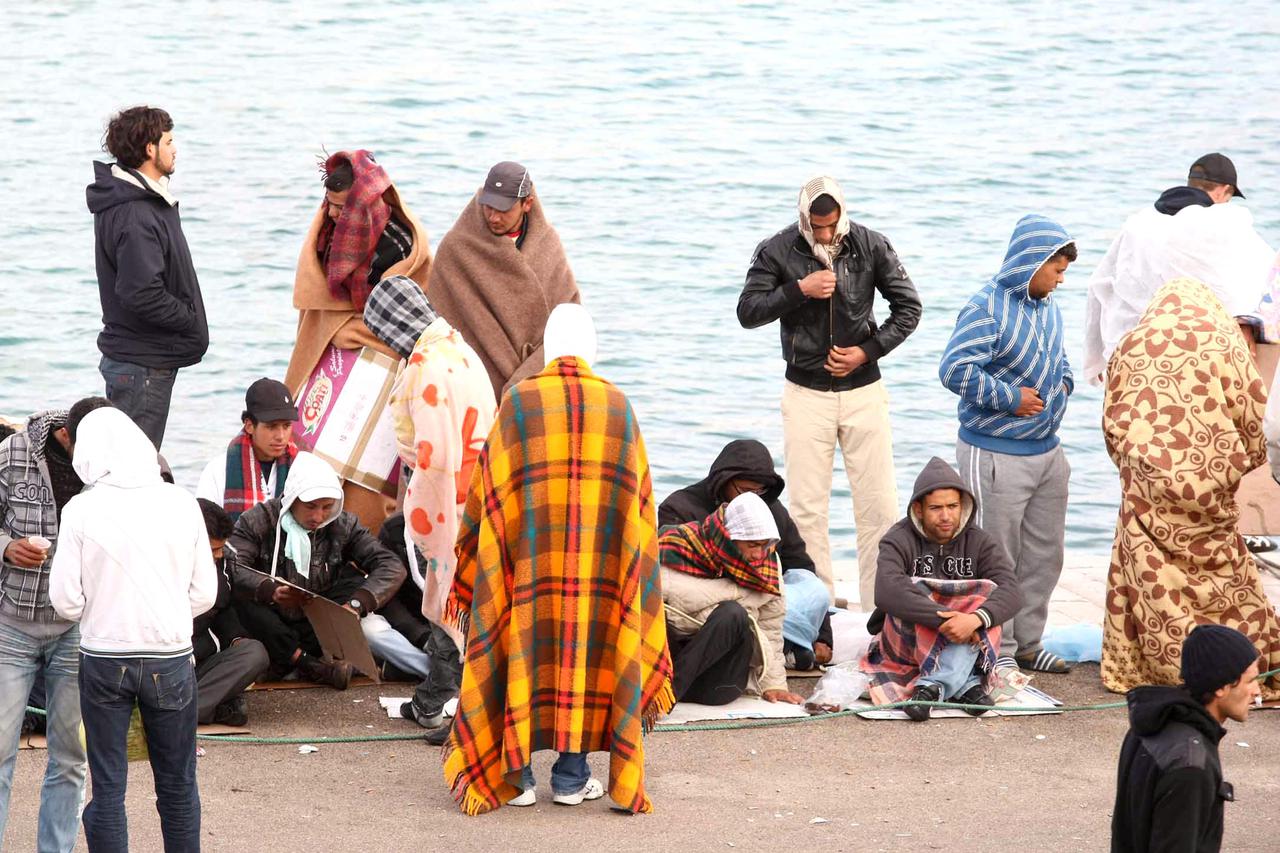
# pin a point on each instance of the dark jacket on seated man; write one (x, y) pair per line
(906, 553)
(745, 459)
(219, 626)
(404, 611)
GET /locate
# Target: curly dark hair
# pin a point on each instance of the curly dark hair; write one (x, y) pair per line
(1068, 251)
(130, 132)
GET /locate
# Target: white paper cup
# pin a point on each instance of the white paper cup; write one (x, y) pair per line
(40, 542)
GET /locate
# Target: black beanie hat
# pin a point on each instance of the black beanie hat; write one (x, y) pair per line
(1214, 656)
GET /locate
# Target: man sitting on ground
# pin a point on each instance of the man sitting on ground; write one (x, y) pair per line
(745, 465)
(943, 589)
(256, 462)
(1170, 789)
(724, 605)
(305, 538)
(228, 660)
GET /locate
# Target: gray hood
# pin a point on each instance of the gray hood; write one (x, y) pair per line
(939, 475)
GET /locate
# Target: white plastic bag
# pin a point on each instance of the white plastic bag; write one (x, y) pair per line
(840, 689)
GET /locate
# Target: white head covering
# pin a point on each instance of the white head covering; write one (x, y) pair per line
(112, 451)
(820, 186)
(570, 331)
(748, 519)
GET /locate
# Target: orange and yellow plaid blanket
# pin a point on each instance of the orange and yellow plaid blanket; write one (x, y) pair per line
(558, 592)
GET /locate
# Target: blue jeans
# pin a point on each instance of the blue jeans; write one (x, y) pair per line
(954, 670)
(389, 644)
(165, 691)
(568, 775)
(140, 392)
(58, 657)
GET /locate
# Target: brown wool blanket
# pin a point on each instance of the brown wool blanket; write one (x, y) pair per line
(498, 296)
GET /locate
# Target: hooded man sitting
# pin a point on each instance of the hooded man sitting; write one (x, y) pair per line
(724, 605)
(943, 589)
(745, 465)
(498, 274)
(305, 538)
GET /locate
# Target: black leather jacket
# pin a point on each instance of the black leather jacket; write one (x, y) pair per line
(338, 548)
(810, 327)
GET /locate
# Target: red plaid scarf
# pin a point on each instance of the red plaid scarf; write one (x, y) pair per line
(704, 549)
(244, 489)
(346, 247)
(904, 651)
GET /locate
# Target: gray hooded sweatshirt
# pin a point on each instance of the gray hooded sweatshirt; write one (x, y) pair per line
(906, 553)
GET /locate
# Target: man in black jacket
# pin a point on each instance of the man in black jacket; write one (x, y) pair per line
(303, 543)
(819, 278)
(938, 541)
(152, 311)
(228, 660)
(1170, 789)
(745, 465)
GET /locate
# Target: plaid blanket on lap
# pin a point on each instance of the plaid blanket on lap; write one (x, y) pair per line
(558, 583)
(904, 651)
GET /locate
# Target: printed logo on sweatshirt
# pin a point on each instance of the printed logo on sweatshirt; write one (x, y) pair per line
(36, 493)
(949, 568)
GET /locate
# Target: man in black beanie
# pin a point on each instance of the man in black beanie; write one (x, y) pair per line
(1170, 790)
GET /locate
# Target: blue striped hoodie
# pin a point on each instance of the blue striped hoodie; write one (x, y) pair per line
(1005, 340)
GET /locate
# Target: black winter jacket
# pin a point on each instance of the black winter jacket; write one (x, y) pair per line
(1170, 790)
(343, 546)
(216, 628)
(152, 310)
(906, 553)
(810, 327)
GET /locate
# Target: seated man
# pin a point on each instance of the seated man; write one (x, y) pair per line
(228, 660)
(305, 538)
(943, 589)
(724, 605)
(257, 460)
(745, 465)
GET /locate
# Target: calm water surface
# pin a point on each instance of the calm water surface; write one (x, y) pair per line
(666, 140)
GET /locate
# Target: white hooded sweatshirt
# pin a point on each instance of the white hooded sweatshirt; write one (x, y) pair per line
(133, 564)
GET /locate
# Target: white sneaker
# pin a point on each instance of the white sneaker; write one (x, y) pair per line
(593, 790)
(526, 798)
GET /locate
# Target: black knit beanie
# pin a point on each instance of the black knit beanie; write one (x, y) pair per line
(1214, 656)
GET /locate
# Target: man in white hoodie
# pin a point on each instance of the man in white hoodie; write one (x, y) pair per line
(133, 567)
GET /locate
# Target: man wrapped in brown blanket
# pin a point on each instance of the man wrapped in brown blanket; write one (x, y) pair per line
(359, 227)
(499, 272)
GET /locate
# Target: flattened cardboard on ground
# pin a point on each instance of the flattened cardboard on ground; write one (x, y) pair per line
(30, 741)
(337, 629)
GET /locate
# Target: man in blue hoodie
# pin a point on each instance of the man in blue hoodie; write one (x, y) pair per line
(153, 319)
(1006, 361)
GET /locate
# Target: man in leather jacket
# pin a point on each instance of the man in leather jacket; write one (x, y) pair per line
(819, 277)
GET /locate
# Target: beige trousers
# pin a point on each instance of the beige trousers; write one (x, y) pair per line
(813, 422)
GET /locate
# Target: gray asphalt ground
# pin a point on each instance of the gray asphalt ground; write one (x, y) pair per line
(955, 785)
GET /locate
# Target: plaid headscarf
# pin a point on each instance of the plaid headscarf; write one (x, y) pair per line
(706, 549)
(558, 576)
(398, 312)
(346, 247)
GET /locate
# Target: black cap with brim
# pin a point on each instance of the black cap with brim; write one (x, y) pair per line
(268, 400)
(1217, 168)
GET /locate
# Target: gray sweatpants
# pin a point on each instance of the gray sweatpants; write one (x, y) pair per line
(1022, 502)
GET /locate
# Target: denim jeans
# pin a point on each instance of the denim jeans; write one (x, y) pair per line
(140, 392)
(165, 691)
(58, 657)
(390, 645)
(568, 775)
(954, 671)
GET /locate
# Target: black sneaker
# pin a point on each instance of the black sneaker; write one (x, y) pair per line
(233, 712)
(440, 734)
(975, 695)
(410, 711)
(923, 693)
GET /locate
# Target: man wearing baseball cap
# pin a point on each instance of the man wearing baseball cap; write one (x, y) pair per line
(1216, 175)
(256, 462)
(1170, 790)
(499, 272)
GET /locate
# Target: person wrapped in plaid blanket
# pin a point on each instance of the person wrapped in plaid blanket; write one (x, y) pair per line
(943, 589)
(557, 592)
